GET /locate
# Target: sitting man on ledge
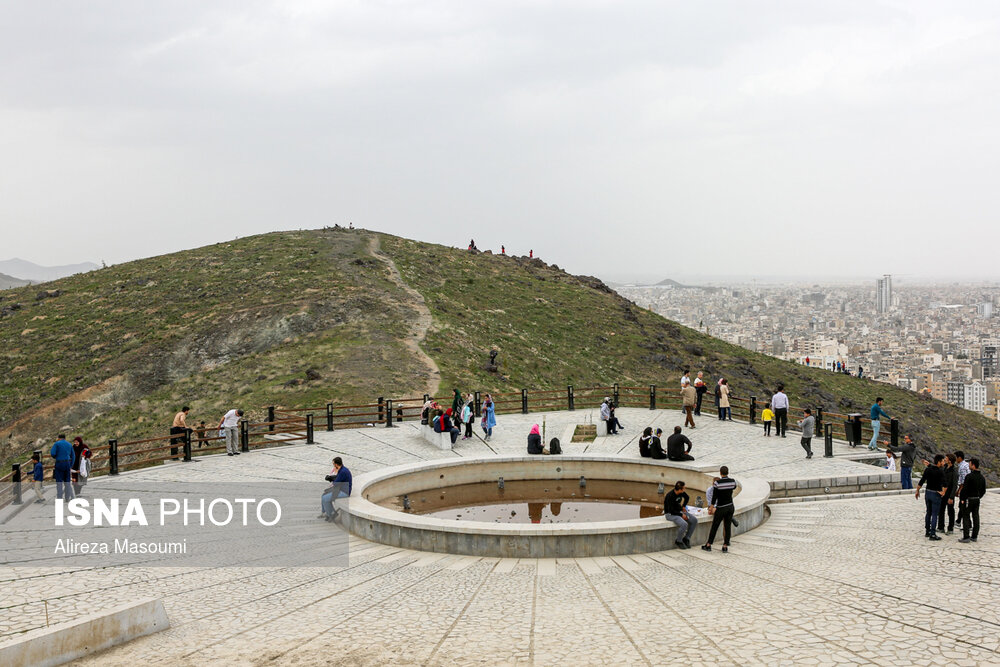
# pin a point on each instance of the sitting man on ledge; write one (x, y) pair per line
(675, 509)
(676, 446)
(340, 487)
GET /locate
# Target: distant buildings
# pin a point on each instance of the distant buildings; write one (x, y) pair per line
(883, 294)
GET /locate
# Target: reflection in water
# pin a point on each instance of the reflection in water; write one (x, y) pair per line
(535, 512)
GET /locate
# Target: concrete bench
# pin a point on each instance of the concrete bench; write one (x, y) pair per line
(439, 440)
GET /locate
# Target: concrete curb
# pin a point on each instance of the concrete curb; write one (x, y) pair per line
(59, 644)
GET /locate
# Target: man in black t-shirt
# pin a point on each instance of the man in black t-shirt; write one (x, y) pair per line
(676, 444)
(973, 490)
(936, 490)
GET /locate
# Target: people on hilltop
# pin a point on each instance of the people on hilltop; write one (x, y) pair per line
(689, 399)
(62, 452)
(876, 413)
(647, 435)
(489, 416)
(807, 425)
(531, 254)
(535, 441)
(656, 446)
(907, 454)
(767, 418)
(472, 245)
(503, 250)
(700, 388)
(725, 412)
(679, 446)
(178, 429)
(779, 403)
(675, 504)
(230, 426)
(341, 481)
(972, 491)
(934, 478)
(722, 509)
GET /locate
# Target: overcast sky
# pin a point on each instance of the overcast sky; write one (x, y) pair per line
(642, 138)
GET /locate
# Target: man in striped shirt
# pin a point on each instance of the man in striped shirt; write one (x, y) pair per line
(722, 509)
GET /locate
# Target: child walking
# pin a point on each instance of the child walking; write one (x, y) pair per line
(37, 474)
(767, 416)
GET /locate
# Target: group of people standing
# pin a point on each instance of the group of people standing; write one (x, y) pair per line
(949, 477)
(459, 416)
(71, 469)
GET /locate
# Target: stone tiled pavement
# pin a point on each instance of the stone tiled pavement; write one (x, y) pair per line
(840, 582)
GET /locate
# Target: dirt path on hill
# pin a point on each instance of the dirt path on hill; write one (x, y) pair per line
(420, 326)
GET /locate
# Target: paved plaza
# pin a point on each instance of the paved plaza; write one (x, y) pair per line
(828, 582)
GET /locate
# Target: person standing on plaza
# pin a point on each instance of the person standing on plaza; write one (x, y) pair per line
(907, 454)
(489, 416)
(467, 415)
(808, 426)
(876, 414)
(685, 377)
(689, 398)
(456, 403)
(779, 403)
(700, 388)
(963, 471)
(724, 409)
(81, 452)
(973, 490)
(934, 478)
(722, 509)
(948, 499)
(767, 416)
(179, 429)
(675, 509)
(62, 452)
(230, 427)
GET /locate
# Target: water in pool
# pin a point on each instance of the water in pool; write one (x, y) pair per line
(546, 501)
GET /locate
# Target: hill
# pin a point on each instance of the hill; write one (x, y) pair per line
(6, 282)
(302, 318)
(29, 271)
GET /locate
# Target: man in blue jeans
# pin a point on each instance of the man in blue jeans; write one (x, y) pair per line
(876, 414)
(340, 487)
(936, 489)
(62, 452)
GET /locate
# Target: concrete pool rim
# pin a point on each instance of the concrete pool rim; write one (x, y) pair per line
(367, 519)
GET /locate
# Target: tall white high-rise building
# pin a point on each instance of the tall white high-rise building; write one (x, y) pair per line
(883, 294)
(975, 397)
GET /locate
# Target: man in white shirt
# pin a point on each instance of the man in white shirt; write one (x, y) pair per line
(230, 424)
(779, 403)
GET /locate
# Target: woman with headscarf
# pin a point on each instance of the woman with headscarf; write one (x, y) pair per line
(535, 441)
(79, 455)
(724, 411)
(489, 416)
(456, 403)
(647, 435)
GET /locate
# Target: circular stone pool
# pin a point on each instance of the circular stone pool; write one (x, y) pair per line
(542, 511)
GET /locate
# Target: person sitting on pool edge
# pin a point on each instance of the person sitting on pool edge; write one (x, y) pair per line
(675, 509)
(656, 447)
(535, 441)
(340, 487)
